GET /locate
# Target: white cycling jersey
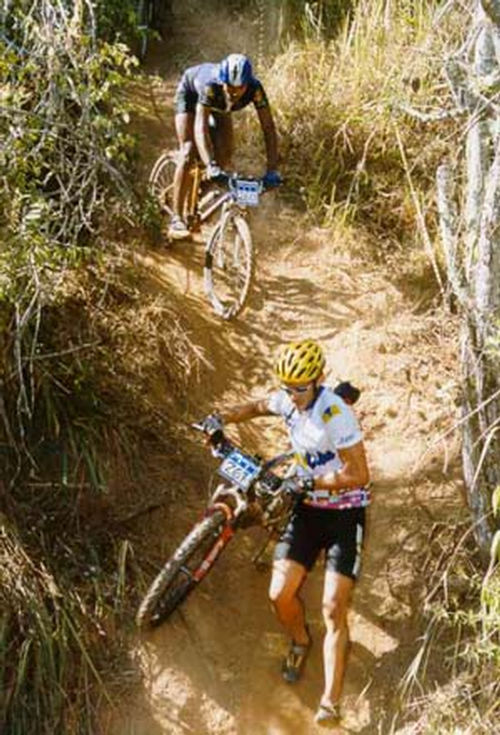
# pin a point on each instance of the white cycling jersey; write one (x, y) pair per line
(316, 435)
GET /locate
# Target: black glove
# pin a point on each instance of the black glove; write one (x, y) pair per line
(271, 179)
(212, 423)
(347, 392)
(297, 486)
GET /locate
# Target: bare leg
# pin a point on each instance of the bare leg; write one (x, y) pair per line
(184, 122)
(286, 581)
(336, 600)
(223, 140)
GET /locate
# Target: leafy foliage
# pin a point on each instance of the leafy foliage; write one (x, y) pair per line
(64, 159)
(116, 20)
(64, 123)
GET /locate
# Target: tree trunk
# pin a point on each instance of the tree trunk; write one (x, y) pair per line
(480, 276)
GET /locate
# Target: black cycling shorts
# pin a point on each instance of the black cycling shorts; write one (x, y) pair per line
(338, 532)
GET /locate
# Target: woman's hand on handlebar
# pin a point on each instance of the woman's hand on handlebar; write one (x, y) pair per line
(212, 423)
(213, 427)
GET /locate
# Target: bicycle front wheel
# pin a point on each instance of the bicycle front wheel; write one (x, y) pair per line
(229, 265)
(177, 578)
(161, 181)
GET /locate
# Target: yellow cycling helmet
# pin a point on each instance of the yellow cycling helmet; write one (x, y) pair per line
(300, 362)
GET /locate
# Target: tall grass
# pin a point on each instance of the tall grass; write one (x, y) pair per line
(73, 375)
(67, 566)
(337, 103)
(46, 636)
(453, 682)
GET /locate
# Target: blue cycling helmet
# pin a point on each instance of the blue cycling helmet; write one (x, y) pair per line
(235, 70)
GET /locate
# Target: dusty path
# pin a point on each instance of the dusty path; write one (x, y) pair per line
(215, 667)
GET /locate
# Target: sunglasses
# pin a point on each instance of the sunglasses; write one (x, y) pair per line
(296, 389)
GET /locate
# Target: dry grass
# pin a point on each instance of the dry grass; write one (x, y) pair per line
(337, 104)
(44, 632)
(112, 363)
(452, 685)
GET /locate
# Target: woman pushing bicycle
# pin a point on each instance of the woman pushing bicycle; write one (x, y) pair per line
(205, 98)
(331, 485)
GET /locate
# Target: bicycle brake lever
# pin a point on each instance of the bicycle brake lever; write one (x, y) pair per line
(197, 426)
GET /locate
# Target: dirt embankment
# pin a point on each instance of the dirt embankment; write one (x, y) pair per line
(215, 667)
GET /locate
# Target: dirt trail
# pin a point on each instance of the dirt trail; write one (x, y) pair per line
(215, 667)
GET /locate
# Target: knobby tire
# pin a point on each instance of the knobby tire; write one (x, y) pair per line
(174, 583)
(161, 181)
(229, 265)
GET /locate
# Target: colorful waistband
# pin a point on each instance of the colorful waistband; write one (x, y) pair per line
(356, 498)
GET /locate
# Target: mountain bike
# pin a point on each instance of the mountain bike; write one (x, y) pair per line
(249, 494)
(229, 261)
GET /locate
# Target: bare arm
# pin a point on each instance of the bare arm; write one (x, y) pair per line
(354, 473)
(201, 134)
(244, 412)
(270, 137)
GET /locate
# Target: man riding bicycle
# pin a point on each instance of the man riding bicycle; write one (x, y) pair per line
(205, 98)
(329, 514)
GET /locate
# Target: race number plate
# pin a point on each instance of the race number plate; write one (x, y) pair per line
(239, 469)
(247, 192)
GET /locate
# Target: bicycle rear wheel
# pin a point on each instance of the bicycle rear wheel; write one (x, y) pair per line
(229, 265)
(161, 181)
(176, 580)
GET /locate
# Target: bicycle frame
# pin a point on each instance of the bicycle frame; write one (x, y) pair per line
(233, 511)
(227, 197)
(240, 503)
(249, 494)
(219, 202)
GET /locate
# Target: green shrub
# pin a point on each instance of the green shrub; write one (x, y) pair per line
(65, 159)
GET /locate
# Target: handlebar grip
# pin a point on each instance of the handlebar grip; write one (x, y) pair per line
(217, 438)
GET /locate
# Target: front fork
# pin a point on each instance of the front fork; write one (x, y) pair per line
(228, 530)
(221, 542)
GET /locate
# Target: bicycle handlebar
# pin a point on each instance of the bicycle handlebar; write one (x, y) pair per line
(222, 446)
(230, 180)
(217, 440)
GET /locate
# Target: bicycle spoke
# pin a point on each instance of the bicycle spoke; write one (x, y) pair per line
(161, 182)
(228, 263)
(228, 266)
